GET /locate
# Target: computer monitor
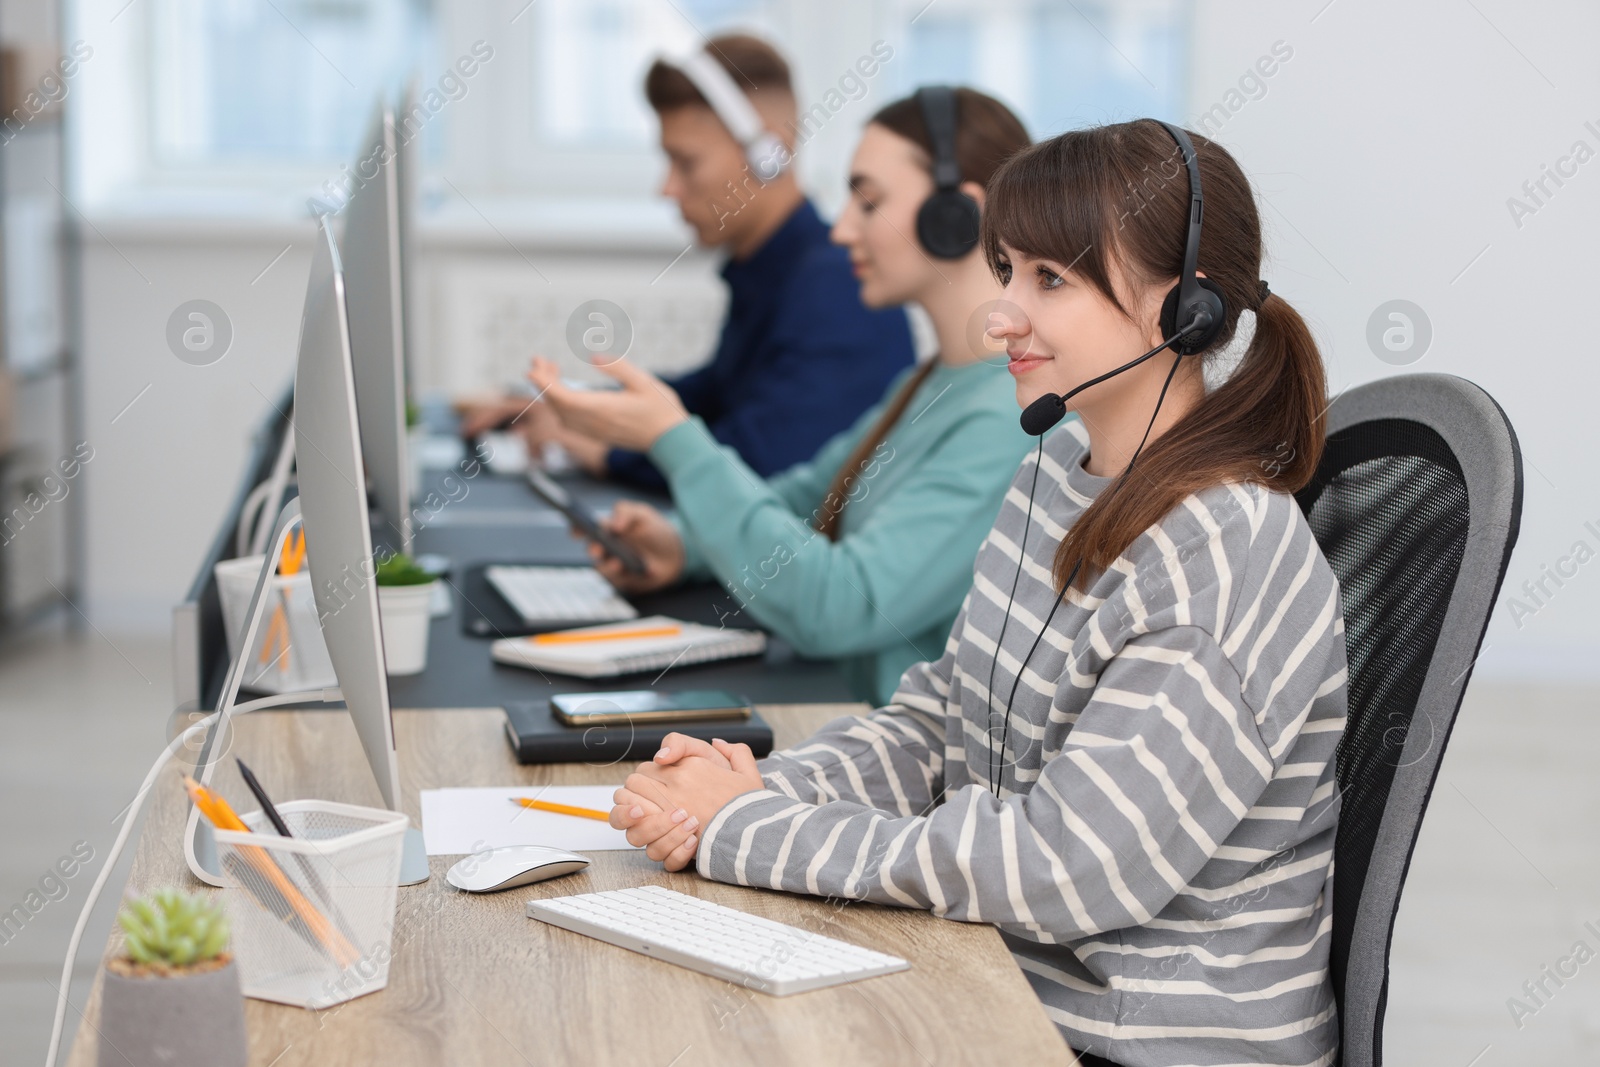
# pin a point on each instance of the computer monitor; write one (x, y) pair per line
(373, 254)
(408, 180)
(332, 506)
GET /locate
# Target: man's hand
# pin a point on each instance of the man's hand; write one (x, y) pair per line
(585, 452)
(481, 414)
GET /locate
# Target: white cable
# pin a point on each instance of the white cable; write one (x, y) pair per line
(250, 539)
(253, 504)
(325, 695)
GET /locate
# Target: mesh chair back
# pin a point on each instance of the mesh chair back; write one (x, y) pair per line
(1416, 505)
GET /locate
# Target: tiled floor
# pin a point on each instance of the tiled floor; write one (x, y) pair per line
(1504, 878)
(81, 717)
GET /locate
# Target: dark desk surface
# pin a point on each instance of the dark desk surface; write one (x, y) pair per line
(497, 518)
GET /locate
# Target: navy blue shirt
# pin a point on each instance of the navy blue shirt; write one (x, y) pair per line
(800, 357)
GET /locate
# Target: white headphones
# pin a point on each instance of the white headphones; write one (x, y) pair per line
(766, 153)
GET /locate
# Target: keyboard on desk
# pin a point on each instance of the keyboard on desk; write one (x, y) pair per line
(559, 594)
(722, 942)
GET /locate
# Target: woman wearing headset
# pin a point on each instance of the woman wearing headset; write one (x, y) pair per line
(864, 553)
(1125, 757)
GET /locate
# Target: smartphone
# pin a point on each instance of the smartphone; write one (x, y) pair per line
(647, 705)
(552, 493)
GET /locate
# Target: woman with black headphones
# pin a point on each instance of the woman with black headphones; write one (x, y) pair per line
(863, 554)
(1125, 757)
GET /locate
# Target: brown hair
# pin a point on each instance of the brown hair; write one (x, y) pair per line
(753, 64)
(1117, 197)
(987, 133)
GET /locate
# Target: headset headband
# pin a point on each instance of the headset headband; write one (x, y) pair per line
(938, 104)
(767, 155)
(1188, 282)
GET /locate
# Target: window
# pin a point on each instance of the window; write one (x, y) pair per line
(275, 82)
(273, 95)
(1059, 64)
(581, 103)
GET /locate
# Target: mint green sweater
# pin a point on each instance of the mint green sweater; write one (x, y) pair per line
(884, 595)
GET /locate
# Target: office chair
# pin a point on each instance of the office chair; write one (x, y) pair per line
(1416, 505)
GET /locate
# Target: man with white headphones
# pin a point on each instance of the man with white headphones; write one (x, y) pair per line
(800, 357)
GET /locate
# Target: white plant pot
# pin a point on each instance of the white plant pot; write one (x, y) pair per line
(406, 619)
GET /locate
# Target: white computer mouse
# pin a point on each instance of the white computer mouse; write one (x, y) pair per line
(495, 869)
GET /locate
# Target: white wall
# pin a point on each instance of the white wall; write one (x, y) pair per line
(171, 439)
(1384, 152)
(165, 468)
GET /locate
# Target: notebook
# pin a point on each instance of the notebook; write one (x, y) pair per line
(693, 643)
(537, 736)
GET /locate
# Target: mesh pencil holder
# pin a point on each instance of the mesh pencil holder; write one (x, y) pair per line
(288, 654)
(313, 914)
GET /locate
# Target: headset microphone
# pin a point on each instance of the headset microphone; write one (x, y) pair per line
(1041, 415)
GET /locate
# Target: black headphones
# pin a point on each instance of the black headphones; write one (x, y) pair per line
(947, 222)
(1192, 316)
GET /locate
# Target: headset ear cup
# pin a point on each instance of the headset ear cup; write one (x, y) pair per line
(1209, 296)
(768, 157)
(948, 224)
(1169, 312)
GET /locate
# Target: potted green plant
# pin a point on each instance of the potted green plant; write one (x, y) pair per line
(174, 998)
(405, 592)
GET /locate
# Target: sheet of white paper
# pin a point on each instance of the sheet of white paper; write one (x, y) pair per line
(458, 822)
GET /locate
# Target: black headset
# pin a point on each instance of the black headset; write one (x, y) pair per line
(1195, 301)
(947, 222)
(1192, 317)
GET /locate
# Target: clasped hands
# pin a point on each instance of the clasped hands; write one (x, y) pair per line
(666, 803)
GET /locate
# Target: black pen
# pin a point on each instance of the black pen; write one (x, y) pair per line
(265, 801)
(312, 878)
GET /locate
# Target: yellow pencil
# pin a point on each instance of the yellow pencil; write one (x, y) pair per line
(562, 809)
(567, 637)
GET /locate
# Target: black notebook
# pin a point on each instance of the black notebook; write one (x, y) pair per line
(537, 736)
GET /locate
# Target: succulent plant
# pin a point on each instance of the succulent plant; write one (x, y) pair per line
(173, 928)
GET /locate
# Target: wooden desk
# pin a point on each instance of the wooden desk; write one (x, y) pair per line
(474, 981)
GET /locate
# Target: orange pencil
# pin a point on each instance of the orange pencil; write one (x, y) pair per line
(222, 816)
(276, 643)
(562, 809)
(565, 638)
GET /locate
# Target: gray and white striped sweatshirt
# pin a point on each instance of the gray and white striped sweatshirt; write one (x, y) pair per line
(1159, 858)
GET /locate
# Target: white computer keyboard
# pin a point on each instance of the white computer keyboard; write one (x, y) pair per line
(722, 942)
(559, 594)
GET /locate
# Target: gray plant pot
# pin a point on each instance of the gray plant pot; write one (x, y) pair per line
(192, 1021)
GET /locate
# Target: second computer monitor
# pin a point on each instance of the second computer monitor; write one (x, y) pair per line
(372, 253)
